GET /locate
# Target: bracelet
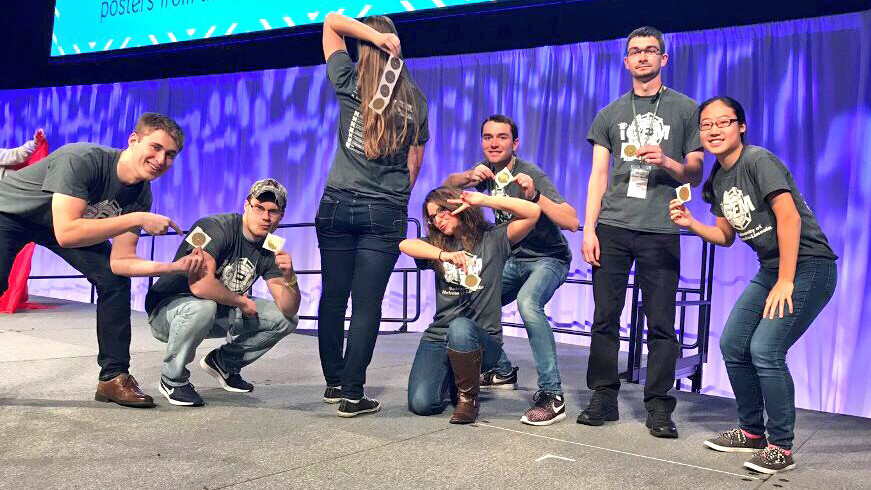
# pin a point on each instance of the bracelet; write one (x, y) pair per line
(290, 284)
(440, 255)
(536, 197)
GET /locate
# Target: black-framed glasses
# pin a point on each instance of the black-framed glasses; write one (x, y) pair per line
(652, 51)
(440, 213)
(260, 210)
(720, 123)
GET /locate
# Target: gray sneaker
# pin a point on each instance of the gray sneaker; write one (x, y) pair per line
(734, 441)
(771, 460)
(491, 379)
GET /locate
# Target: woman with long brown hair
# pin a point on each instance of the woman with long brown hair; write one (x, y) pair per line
(362, 215)
(468, 256)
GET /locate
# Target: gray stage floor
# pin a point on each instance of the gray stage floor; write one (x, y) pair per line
(53, 435)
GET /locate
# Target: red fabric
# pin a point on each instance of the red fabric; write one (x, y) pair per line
(16, 296)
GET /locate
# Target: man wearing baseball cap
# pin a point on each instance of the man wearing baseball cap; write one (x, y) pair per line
(183, 310)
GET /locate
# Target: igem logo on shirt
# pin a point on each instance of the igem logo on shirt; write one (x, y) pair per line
(103, 209)
(736, 208)
(239, 275)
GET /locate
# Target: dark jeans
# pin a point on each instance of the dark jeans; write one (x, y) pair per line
(113, 292)
(359, 243)
(532, 283)
(754, 348)
(431, 372)
(657, 269)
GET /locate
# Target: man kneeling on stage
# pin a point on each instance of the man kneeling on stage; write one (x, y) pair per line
(183, 311)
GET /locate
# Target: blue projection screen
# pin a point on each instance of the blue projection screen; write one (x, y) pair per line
(94, 26)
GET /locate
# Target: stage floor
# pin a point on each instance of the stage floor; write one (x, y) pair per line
(53, 435)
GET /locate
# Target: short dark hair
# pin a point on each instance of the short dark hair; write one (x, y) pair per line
(152, 121)
(646, 31)
(499, 118)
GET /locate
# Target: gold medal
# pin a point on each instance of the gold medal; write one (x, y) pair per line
(630, 150)
(198, 239)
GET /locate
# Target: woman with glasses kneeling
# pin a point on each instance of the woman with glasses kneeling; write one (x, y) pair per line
(751, 192)
(467, 254)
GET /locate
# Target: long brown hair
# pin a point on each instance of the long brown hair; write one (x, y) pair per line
(387, 133)
(468, 233)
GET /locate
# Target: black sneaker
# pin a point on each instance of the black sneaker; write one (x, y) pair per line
(770, 460)
(547, 408)
(183, 396)
(734, 441)
(491, 379)
(352, 408)
(660, 424)
(333, 394)
(599, 410)
(229, 381)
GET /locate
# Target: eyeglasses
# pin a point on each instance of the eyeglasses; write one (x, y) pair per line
(389, 77)
(720, 123)
(260, 210)
(651, 51)
(440, 213)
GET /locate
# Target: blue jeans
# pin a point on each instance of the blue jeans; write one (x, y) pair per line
(358, 238)
(431, 371)
(532, 283)
(184, 322)
(754, 348)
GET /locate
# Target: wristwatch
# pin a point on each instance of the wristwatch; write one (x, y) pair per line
(292, 283)
(536, 197)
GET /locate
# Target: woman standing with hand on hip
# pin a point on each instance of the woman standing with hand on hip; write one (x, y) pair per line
(751, 192)
(362, 215)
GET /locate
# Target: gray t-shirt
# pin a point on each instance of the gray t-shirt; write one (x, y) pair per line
(546, 239)
(238, 261)
(483, 306)
(674, 127)
(387, 177)
(740, 196)
(83, 170)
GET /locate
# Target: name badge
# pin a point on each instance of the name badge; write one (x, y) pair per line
(638, 182)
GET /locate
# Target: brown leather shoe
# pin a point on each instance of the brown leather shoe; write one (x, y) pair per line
(123, 390)
(467, 375)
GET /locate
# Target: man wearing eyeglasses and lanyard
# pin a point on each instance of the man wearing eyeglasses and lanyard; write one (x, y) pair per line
(183, 311)
(652, 133)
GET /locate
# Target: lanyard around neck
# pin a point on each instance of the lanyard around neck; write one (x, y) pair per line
(635, 113)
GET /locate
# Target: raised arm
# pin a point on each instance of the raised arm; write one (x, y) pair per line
(336, 26)
(721, 234)
(469, 178)
(525, 213)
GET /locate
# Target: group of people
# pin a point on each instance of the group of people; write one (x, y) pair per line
(646, 144)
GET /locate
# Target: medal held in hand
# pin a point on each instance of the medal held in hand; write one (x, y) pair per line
(273, 243)
(683, 193)
(198, 238)
(503, 178)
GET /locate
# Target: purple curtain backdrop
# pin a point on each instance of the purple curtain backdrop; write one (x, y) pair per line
(805, 84)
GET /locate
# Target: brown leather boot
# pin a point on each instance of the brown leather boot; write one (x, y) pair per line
(467, 375)
(123, 390)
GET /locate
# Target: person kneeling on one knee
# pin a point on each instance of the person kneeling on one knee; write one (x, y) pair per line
(468, 256)
(183, 311)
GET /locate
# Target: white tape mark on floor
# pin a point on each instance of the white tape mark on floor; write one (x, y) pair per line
(739, 475)
(551, 456)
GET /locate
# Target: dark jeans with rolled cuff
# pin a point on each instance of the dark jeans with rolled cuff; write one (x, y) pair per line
(359, 239)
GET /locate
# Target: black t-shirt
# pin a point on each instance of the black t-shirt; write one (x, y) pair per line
(740, 196)
(546, 239)
(674, 127)
(387, 177)
(483, 306)
(239, 262)
(83, 170)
